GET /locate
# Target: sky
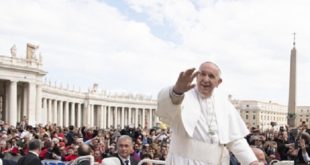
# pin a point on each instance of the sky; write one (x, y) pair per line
(141, 46)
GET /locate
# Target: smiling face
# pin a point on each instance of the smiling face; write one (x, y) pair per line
(208, 78)
(124, 147)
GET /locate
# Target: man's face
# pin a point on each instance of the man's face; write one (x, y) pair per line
(208, 78)
(70, 151)
(124, 148)
(95, 142)
(97, 154)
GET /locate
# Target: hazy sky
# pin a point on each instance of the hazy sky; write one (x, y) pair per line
(140, 46)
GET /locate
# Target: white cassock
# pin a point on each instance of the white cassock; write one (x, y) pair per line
(203, 129)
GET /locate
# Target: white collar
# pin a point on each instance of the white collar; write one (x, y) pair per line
(128, 158)
(202, 97)
(34, 153)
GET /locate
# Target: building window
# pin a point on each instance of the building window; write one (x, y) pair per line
(253, 117)
(247, 117)
(247, 105)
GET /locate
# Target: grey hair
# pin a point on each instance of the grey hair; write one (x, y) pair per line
(34, 144)
(214, 64)
(125, 137)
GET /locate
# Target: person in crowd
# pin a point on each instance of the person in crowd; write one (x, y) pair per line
(32, 158)
(7, 162)
(124, 149)
(195, 113)
(84, 150)
(304, 149)
(13, 154)
(137, 153)
(146, 157)
(98, 156)
(260, 155)
(69, 135)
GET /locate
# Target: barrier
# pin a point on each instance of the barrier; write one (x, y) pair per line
(88, 158)
(151, 161)
(53, 162)
(283, 162)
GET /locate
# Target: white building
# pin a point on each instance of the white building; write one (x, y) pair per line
(260, 114)
(23, 93)
(303, 114)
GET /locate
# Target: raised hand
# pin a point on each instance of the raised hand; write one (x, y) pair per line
(302, 144)
(184, 82)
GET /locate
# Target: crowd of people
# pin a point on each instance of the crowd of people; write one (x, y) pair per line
(62, 143)
(282, 144)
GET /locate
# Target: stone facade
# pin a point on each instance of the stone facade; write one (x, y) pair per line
(303, 114)
(24, 93)
(260, 114)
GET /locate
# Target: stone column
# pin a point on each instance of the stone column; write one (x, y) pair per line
(97, 110)
(123, 117)
(92, 112)
(39, 114)
(13, 103)
(115, 117)
(109, 116)
(73, 114)
(143, 117)
(32, 104)
(19, 108)
(89, 115)
(126, 116)
(7, 101)
(292, 89)
(60, 113)
(44, 111)
(150, 119)
(48, 110)
(129, 116)
(66, 116)
(136, 117)
(104, 117)
(55, 115)
(79, 115)
(86, 114)
(154, 117)
(83, 114)
(101, 119)
(25, 103)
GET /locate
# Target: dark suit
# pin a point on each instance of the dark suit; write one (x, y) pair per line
(84, 162)
(8, 162)
(133, 161)
(30, 159)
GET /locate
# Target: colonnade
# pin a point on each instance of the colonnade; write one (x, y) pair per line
(65, 113)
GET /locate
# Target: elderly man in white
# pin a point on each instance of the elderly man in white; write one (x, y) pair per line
(204, 123)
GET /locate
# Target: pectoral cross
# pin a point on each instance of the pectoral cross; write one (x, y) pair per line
(211, 135)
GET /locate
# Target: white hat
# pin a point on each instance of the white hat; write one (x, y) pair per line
(111, 161)
(55, 140)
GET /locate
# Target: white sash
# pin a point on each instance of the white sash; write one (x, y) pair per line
(200, 151)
